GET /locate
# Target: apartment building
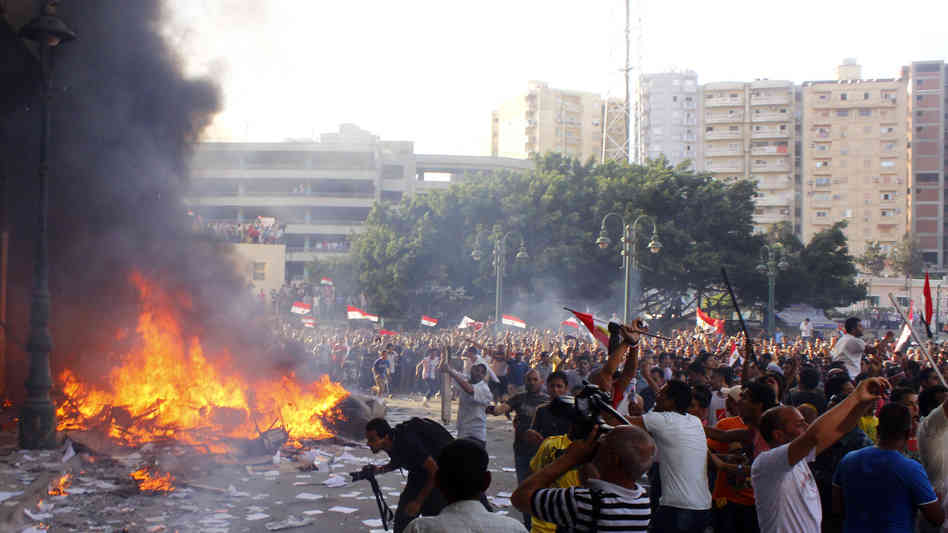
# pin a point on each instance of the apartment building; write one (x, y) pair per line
(854, 157)
(546, 119)
(927, 106)
(668, 117)
(749, 133)
(322, 191)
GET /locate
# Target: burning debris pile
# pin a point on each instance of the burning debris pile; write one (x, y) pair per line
(167, 389)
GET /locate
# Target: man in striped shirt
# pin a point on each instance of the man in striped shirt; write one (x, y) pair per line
(614, 502)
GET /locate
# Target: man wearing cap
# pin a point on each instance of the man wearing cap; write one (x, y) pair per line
(474, 398)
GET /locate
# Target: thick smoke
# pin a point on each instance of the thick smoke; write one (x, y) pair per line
(124, 118)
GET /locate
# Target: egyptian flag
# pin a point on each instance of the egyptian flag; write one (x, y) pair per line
(927, 293)
(387, 332)
(301, 308)
(906, 332)
(468, 322)
(308, 322)
(598, 332)
(707, 324)
(510, 320)
(354, 313)
(428, 321)
(570, 322)
(326, 281)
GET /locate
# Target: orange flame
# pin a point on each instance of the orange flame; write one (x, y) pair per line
(168, 389)
(59, 489)
(146, 481)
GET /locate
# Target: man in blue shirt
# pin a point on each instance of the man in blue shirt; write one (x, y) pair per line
(878, 489)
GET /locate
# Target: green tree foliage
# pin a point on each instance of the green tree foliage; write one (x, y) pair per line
(873, 260)
(415, 257)
(906, 257)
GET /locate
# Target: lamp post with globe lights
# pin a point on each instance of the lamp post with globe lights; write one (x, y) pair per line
(771, 261)
(37, 429)
(629, 253)
(500, 261)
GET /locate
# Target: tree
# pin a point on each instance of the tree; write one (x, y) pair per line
(873, 259)
(906, 257)
(827, 276)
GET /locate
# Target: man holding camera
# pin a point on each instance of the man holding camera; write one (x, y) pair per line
(413, 445)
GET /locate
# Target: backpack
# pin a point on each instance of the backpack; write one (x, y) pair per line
(432, 434)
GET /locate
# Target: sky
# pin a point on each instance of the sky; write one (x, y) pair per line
(431, 71)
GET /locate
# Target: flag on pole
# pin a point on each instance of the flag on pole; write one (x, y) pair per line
(300, 308)
(326, 281)
(354, 313)
(428, 321)
(570, 322)
(906, 332)
(735, 356)
(708, 324)
(510, 320)
(927, 292)
(598, 332)
(308, 322)
(387, 332)
(468, 322)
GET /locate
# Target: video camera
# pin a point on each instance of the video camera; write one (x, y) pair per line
(585, 410)
(368, 474)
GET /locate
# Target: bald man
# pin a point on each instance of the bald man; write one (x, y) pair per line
(615, 501)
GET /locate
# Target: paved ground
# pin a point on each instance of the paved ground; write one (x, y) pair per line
(215, 498)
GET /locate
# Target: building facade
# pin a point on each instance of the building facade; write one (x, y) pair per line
(749, 133)
(546, 119)
(668, 117)
(854, 158)
(927, 81)
(320, 193)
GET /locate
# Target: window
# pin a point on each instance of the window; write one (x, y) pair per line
(887, 129)
(927, 178)
(674, 98)
(842, 112)
(888, 147)
(887, 163)
(821, 147)
(733, 128)
(848, 213)
(259, 271)
(821, 182)
(865, 96)
(842, 96)
(865, 112)
(887, 196)
(822, 164)
(821, 214)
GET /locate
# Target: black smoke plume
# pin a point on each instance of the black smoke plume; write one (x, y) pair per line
(124, 118)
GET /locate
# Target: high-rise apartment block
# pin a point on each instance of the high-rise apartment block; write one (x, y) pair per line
(548, 120)
(855, 158)
(668, 115)
(749, 133)
(927, 81)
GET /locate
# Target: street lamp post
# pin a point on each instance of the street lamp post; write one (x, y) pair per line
(38, 416)
(630, 259)
(500, 261)
(771, 260)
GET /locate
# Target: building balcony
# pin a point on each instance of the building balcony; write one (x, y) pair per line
(306, 256)
(770, 218)
(769, 150)
(713, 152)
(336, 200)
(774, 184)
(776, 200)
(770, 134)
(774, 99)
(283, 173)
(770, 117)
(770, 167)
(711, 135)
(723, 119)
(723, 102)
(724, 168)
(326, 228)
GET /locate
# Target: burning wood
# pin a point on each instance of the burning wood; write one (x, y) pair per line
(168, 389)
(59, 489)
(153, 482)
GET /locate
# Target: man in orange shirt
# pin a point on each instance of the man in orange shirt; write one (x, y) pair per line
(733, 496)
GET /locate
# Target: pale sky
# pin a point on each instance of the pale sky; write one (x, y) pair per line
(431, 71)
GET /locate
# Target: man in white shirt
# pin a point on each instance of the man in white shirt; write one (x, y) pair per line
(806, 329)
(785, 492)
(685, 504)
(474, 398)
(850, 348)
(932, 446)
(462, 477)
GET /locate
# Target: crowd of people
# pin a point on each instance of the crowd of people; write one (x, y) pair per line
(721, 435)
(258, 231)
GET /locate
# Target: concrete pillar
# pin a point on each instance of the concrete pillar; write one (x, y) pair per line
(308, 215)
(240, 215)
(306, 243)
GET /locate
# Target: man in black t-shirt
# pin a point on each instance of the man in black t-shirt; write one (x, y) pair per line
(545, 423)
(413, 445)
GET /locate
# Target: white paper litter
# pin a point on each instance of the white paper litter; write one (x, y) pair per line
(505, 494)
(335, 481)
(373, 522)
(257, 516)
(290, 522)
(67, 509)
(271, 473)
(502, 502)
(341, 509)
(308, 496)
(232, 490)
(37, 516)
(352, 494)
(393, 493)
(276, 458)
(312, 512)
(68, 452)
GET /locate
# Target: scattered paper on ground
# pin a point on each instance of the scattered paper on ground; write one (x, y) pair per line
(342, 509)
